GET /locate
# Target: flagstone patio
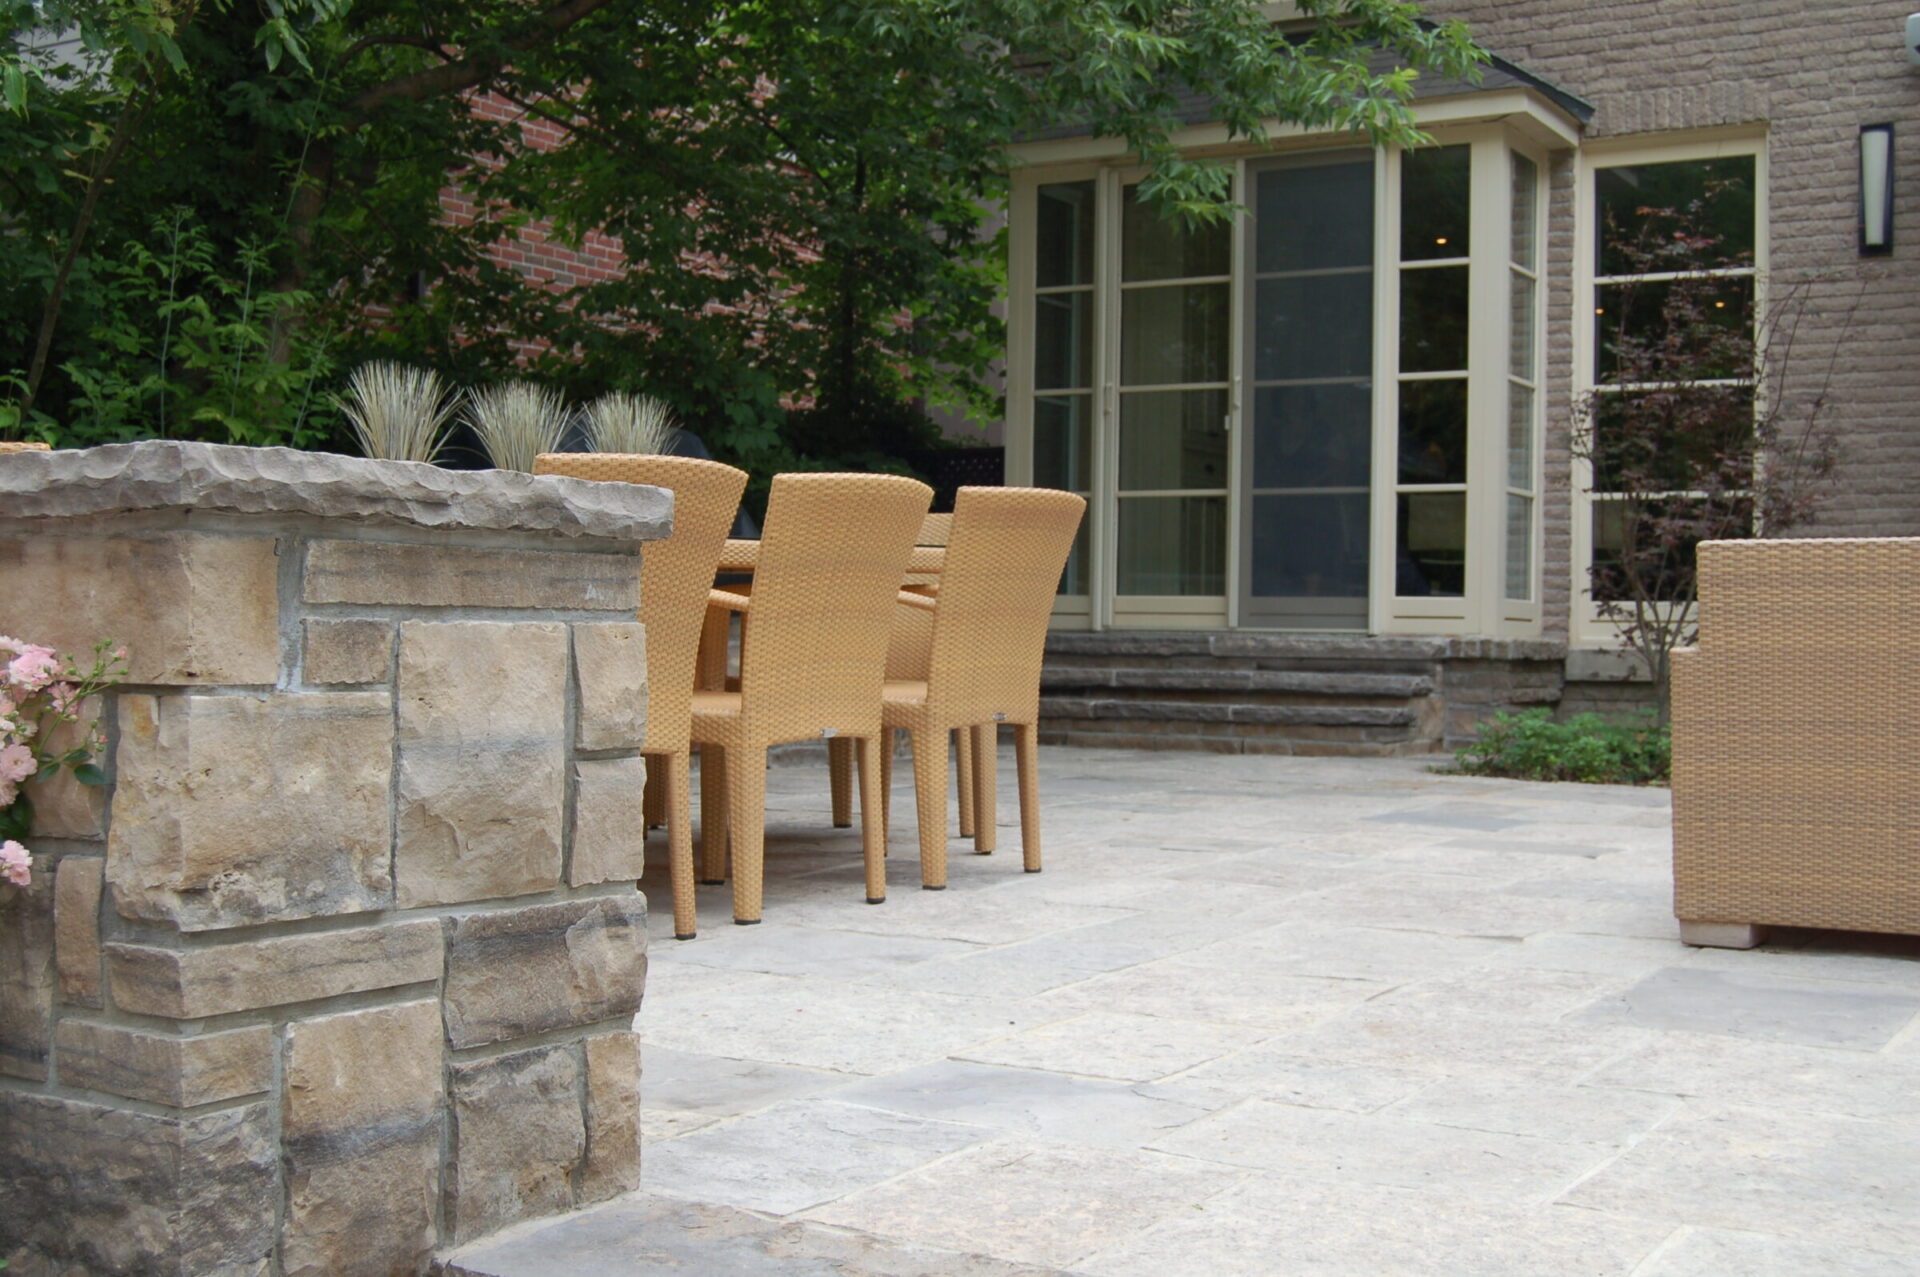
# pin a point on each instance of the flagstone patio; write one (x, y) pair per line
(1258, 1016)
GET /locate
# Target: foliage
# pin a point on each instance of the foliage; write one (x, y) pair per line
(1697, 433)
(800, 187)
(398, 413)
(1530, 745)
(40, 692)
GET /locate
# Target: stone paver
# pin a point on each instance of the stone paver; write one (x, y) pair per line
(1259, 1015)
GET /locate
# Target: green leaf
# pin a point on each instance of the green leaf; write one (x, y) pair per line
(89, 774)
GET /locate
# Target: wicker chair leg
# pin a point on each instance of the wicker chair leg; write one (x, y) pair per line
(746, 819)
(675, 783)
(1026, 756)
(930, 794)
(654, 798)
(713, 815)
(986, 786)
(886, 779)
(963, 771)
(873, 818)
(840, 779)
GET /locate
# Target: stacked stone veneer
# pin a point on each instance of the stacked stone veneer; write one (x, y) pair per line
(342, 969)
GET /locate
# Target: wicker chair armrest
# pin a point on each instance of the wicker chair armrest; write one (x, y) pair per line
(925, 603)
(728, 600)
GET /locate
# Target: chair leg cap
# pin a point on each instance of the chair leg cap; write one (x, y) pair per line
(746, 922)
(876, 900)
(1033, 871)
(713, 882)
(688, 936)
(929, 887)
(843, 824)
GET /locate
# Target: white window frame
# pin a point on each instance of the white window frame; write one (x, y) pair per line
(1586, 627)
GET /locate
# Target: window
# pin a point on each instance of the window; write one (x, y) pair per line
(1063, 370)
(1676, 242)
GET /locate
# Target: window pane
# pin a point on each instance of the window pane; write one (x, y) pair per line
(1173, 334)
(1313, 436)
(1666, 440)
(1063, 240)
(1314, 218)
(1152, 247)
(1313, 327)
(1432, 544)
(1073, 577)
(1173, 439)
(1674, 330)
(1520, 341)
(1310, 546)
(1062, 442)
(1433, 319)
(1435, 186)
(1526, 196)
(1173, 545)
(1519, 547)
(1063, 341)
(1519, 437)
(1433, 431)
(1633, 200)
(1653, 542)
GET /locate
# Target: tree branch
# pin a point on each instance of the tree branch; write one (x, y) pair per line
(452, 77)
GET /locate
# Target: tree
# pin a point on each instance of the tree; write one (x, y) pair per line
(1709, 424)
(798, 186)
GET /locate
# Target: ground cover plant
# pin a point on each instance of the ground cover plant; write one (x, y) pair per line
(1531, 745)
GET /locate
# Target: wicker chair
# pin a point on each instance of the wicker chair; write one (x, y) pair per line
(675, 576)
(1796, 770)
(982, 658)
(811, 661)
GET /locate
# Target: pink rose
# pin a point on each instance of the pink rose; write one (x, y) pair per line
(33, 669)
(63, 697)
(16, 763)
(16, 863)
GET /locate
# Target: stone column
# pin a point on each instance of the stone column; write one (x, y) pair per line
(342, 968)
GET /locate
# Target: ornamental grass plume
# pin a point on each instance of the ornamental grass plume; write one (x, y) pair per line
(517, 422)
(398, 413)
(620, 422)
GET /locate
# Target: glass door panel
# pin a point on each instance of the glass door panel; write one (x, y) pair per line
(1172, 400)
(1304, 527)
(1063, 358)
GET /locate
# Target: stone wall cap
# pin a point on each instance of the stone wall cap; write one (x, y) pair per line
(158, 474)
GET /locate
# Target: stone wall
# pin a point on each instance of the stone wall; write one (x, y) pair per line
(343, 967)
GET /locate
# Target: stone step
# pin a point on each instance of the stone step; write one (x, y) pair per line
(1055, 708)
(1062, 676)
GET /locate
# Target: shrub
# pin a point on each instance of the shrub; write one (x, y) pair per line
(1530, 745)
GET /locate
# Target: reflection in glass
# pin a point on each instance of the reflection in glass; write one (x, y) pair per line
(1062, 442)
(1433, 431)
(1435, 202)
(1173, 439)
(1628, 196)
(1310, 546)
(1151, 247)
(1063, 235)
(1313, 326)
(1520, 333)
(1063, 341)
(1176, 333)
(1314, 218)
(1675, 437)
(1526, 197)
(1431, 545)
(1519, 436)
(1664, 563)
(1313, 436)
(1683, 327)
(1073, 577)
(1433, 319)
(1173, 545)
(1519, 547)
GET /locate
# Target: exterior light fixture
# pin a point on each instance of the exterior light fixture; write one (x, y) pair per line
(1876, 190)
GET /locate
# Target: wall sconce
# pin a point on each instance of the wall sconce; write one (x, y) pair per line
(1876, 190)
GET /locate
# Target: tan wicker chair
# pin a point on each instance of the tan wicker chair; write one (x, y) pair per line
(811, 661)
(982, 658)
(675, 577)
(1796, 768)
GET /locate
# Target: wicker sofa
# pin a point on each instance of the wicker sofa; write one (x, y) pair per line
(1796, 741)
